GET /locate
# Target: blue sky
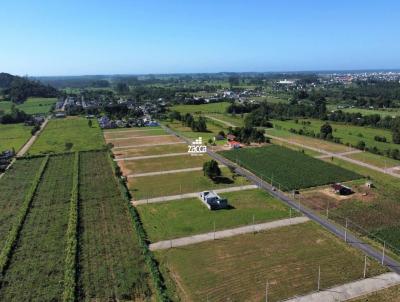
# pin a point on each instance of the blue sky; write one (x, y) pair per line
(168, 36)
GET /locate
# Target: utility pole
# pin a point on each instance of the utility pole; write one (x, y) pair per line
(383, 252)
(319, 277)
(327, 211)
(345, 232)
(214, 229)
(365, 267)
(266, 291)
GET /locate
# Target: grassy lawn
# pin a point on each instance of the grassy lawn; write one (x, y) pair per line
(291, 169)
(14, 185)
(32, 105)
(202, 108)
(236, 120)
(346, 132)
(364, 111)
(132, 129)
(151, 150)
(237, 268)
(111, 265)
(297, 148)
(177, 183)
(374, 159)
(213, 129)
(37, 263)
(145, 140)
(190, 216)
(133, 133)
(163, 163)
(14, 136)
(72, 130)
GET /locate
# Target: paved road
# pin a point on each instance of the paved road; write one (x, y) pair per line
(165, 172)
(351, 290)
(337, 155)
(190, 195)
(146, 145)
(151, 156)
(133, 137)
(166, 244)
(328, 225)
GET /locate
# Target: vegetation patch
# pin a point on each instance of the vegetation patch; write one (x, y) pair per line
(190, 216)
(152, 150)
(237, 268)
(111, 263)
(291, 169)
(69, 134)
(14, 136)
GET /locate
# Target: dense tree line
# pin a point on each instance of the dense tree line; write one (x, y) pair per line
(247, 135)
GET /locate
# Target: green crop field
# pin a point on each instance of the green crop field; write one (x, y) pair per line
(111, 264)
(37, 262)
(14, 185)
(32, 105)
(177, 183)
(163, 163)
(346, 132)
(202, 108)
(190, 216)
(237, 268)
(14, 136)
(291, 169)
(69, 134)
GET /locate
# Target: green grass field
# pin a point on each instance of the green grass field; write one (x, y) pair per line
(36, 268)
(190, 216)
(364, 111)
(153, 150)
(213, 129)
(111, 265)
(14, 136)
(164, 163)
(177, 183)
(237, 268)
(14, 185)
(374, 159)
(202, 108)
(291, 169)
(73, 130)
(32, 105)
(134, 133)
(346, 132)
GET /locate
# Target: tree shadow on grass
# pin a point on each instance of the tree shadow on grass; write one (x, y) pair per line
(222, 180)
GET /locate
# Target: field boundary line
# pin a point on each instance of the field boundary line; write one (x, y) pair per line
(18, 224)
(351, 290)
(146, 145)
(189, 240)
(165, 172)
(133, 137)
(190, 195)
(151, 156)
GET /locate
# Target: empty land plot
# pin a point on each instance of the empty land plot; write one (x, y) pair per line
(212, 130)
(291, 169)
(133, 133)
(375, 160)
(36, 268)
(152, 150)
(190, 216)
(137, 141)
(69, 134)
(177, 183)
(163, 163)
(111, 265)
(14, 136)
(14, 185)
(237, 268)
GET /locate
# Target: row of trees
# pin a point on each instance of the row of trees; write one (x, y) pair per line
(188, 120)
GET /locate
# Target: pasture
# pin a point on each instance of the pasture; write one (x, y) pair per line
(69, 134)
(288, 168)
(14, 185)
(202, 108)
(178, 183)
(163, 163)
(111, 264)
(347, 133)
(14, 136)
(37, 262)
(186, 217)
(33, 105)
(375, 159)
(238, 268)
